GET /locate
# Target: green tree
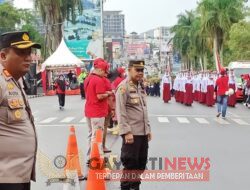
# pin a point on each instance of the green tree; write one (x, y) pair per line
(54, 13)
(239, 43)
(217, 17)
(9, 18)
(34, 35)
(188, 40)
(182, 39)
(19, 19)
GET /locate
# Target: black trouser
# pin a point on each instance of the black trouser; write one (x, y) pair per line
(15, 186)
(61, 99)
(134, 157)
(248, 100)
(82, 90)
(244, 96)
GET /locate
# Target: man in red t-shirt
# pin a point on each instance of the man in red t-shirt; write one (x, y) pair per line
(222, 88)
(96, 106)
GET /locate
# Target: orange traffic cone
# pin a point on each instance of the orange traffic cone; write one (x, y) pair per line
(95, 178)
(72, 157)
(99, 136)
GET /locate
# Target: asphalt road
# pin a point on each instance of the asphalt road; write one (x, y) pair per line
(178, 131)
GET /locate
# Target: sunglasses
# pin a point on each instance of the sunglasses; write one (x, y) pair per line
(139, 70)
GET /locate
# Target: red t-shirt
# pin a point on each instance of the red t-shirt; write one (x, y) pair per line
(222, 85)
(116, 82)
(111, 99)
(58, 88)
(95, 108)
(108, 84)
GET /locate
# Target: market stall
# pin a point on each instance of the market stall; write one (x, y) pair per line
(61, 62)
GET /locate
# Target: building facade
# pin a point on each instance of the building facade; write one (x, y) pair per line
(113, 24)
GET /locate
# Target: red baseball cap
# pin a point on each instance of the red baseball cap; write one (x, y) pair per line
(120, 70)
(222, 71)
(101, 64)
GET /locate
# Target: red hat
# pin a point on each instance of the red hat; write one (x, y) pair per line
(101, 64)
(222, 71)
(246, 77)
(120, 70)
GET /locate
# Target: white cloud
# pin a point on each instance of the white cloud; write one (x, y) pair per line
(23, 3)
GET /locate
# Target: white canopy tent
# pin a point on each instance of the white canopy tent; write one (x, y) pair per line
(62, 57)
(60, 60)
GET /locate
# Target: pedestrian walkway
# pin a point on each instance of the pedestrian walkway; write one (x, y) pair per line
(161, 120)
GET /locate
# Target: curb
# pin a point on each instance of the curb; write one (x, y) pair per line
(35, 96)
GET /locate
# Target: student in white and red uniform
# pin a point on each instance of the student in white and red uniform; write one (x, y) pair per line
(188, 95)
(176, 88)
(167, 86)
(195, 88)
(232, 84)
(210, 101)
(203, 89)
(182, 88)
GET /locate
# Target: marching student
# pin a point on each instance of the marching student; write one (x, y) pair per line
(210, 101)
(232, 85)
(167, 86)
(188, 95)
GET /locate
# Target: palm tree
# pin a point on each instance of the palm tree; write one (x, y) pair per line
(217, 17)
(182, 36)
(54, 13)
(188, 40)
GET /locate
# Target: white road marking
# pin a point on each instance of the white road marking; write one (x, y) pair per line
(49, 120)
(234, 115)
(183, 120)
(221, 121)
(163, 120)
(240, 122)
(201, 120)
(67, 119)
(83, 120)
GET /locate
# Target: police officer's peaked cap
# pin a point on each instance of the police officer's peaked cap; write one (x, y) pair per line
(136, 63)
(19, 40)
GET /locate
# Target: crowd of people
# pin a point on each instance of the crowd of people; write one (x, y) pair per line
(153, 87)
(111, 97)
(207, 88)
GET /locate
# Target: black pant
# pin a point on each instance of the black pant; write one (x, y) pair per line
(82, 90)
(248, 100)
(15, 186)
(61, 99)
(134, 157)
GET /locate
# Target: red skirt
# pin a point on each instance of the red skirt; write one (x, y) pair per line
(188, 96)
(181, 97)
(232, 99)
(166, 92)
(196, 95)
(210, 95)
(202, 97)
(177, 95)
